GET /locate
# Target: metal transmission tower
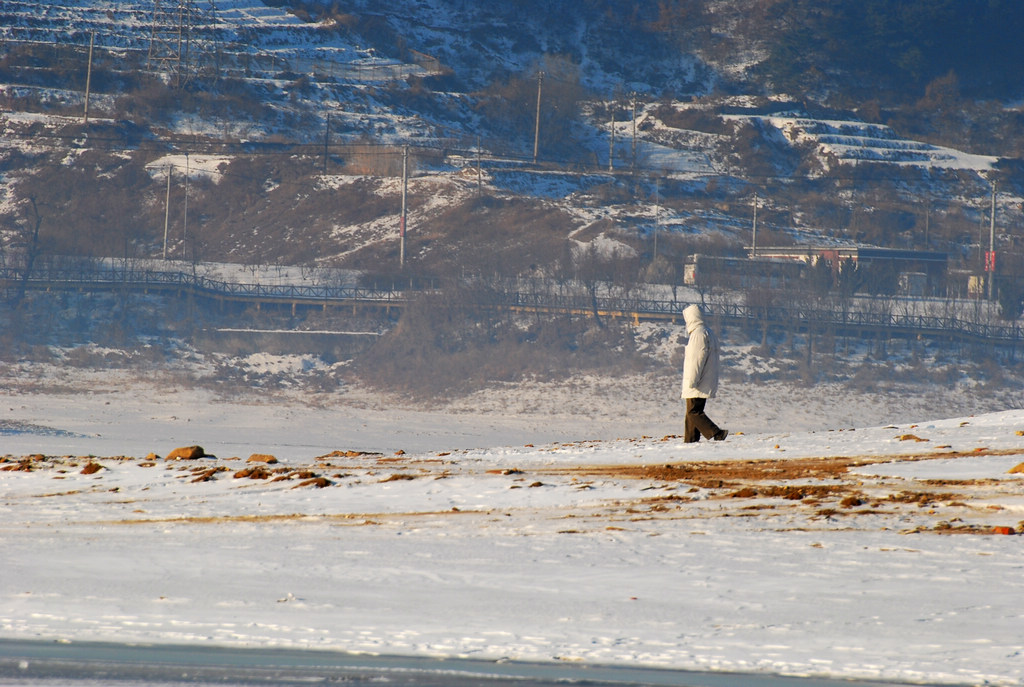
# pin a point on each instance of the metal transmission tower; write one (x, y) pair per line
(172, 48)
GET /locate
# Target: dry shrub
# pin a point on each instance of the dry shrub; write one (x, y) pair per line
(693, 119)
(489, 236)
(451, 344)
(870, 377)
(92, 357)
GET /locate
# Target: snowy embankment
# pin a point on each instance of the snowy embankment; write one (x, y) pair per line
(860, 553)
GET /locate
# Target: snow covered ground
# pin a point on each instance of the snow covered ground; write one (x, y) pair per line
(561, 524)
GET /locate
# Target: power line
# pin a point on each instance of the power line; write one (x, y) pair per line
(171, 50)
(114, 143)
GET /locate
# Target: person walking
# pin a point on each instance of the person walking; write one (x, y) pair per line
(700, 378)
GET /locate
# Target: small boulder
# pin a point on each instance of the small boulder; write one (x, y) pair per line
(1017, 469)
(186, 453)
(317, 482)
(262, 458)
(206, 475)
(257, 472)
(910, 437)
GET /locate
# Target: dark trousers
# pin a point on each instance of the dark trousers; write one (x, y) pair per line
(697, 423)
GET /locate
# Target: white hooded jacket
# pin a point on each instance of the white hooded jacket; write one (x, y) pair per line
(700, 361)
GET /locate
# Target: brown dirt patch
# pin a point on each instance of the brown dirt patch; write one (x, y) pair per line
(727, 474)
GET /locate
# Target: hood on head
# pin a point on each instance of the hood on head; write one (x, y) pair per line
(692, 314)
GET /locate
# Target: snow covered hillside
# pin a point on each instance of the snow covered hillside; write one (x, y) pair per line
(456, 79)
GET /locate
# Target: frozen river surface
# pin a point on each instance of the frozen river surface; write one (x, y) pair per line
(50, 664)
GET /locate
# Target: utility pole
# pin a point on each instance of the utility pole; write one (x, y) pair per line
(177, 24)
(479, 170)
(753, 245)
(88, 78)
(167, 207)
(168, 44)
(405, 189)
(634, 133)
(536, 123)
(927, 223)
(990, 259)
(657, 219)
(327, 140)
(184, 225)
(611, 140)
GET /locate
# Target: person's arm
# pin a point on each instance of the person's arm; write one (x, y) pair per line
(700, 357)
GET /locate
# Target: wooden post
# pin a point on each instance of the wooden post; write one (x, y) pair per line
(88, 78)
(405, 190)
(167, 207)
(536, 121)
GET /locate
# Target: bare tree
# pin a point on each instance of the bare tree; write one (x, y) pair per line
(513, 104)
(28, 240)
(593, 271)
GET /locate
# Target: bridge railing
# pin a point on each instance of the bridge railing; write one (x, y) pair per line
(800, 317)
(797, 316)
(160, 279)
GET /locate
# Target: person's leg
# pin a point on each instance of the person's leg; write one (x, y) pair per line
(690, 432)
(699, 421)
